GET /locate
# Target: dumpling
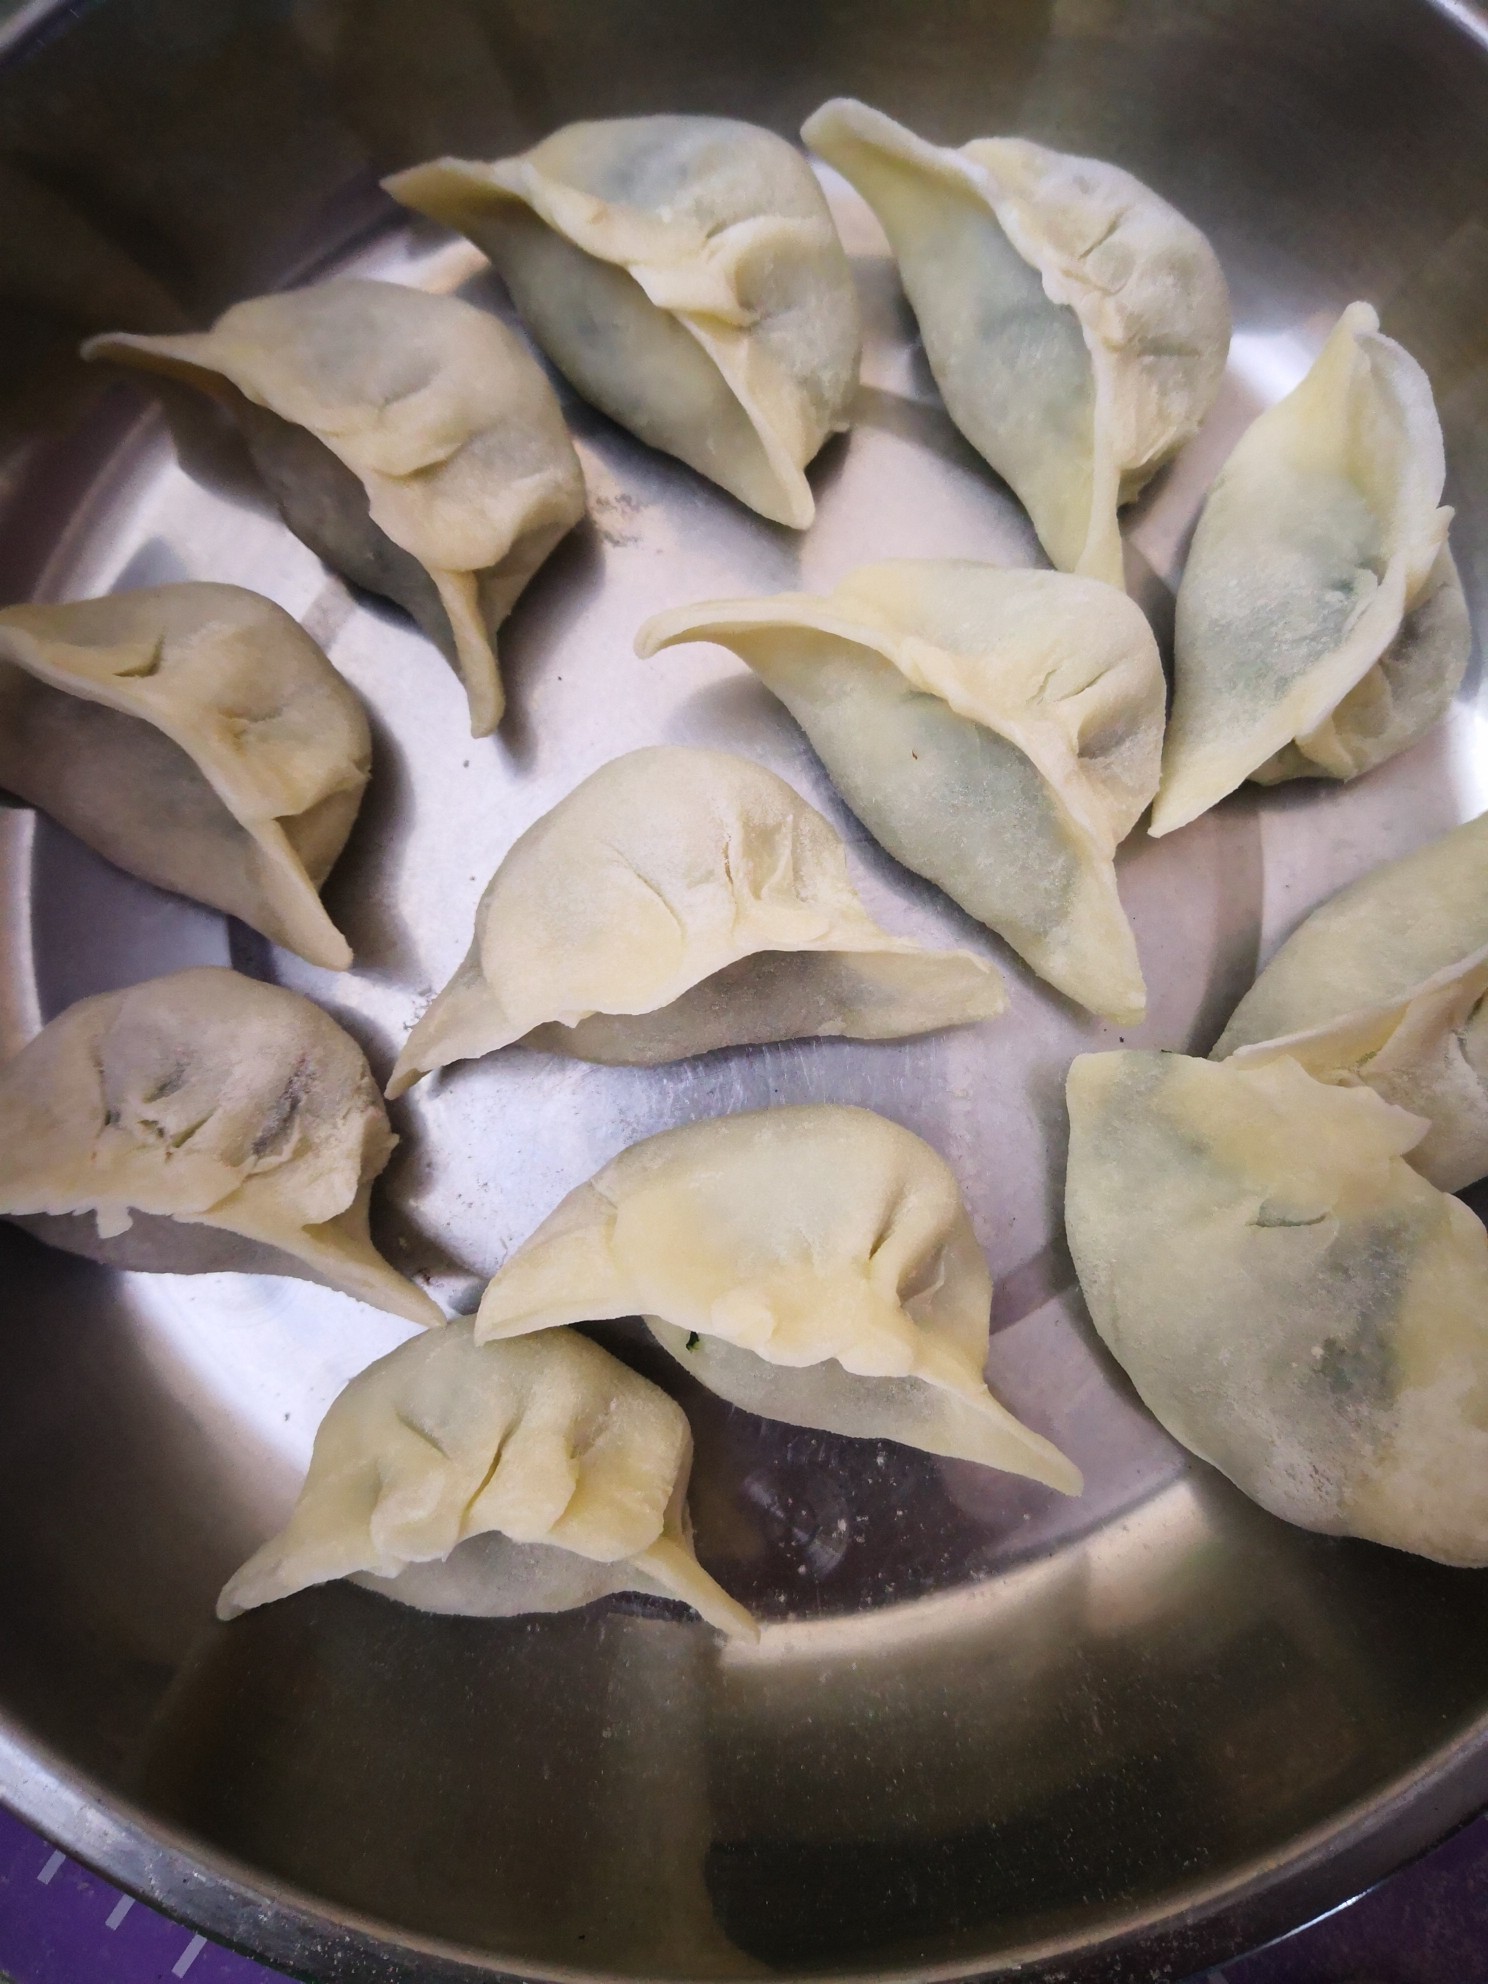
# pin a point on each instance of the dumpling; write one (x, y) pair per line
(677, 901)
(1321, 624)
(812, 1263)
(492, 1480)
(998, 732)
(1296, 1304)
(197, 736)
(1077, 326)
(1385, 984)
(684, 274)
(411, 440)
(204, 1121)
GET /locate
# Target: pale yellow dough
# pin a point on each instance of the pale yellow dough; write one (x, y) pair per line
(202, 1120)
(1076, 324)
(1296, 1304)
(677, 901)
(495, 1479)
(412, 441)
(999, 732)
(685, 275)
(823, 1259)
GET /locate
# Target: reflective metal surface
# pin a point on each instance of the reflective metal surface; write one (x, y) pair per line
(985, 1728)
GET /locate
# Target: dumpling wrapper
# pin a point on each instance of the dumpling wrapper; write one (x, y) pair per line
(684, 274)
(678, 901)
(1296, 1304)
(412, 441)
(196, 736)
(205, 1121)
(999, 732)
(1321, 625)
(1384, 984)
(821, 1256)
(1076, 324)
(492, 1480)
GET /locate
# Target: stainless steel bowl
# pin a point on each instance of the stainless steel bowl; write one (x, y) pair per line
(986, 1731)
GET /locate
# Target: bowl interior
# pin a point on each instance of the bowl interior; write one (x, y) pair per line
(985, 1726)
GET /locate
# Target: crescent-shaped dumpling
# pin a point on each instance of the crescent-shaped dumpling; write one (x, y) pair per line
(1294, 1302)
(1385, 984)
(816, 1260)
(999, 732)
(684, 274)
(1076, 324)
(495, 1479)
(1321, 624)
(411, 440)
(195, 735)
(677, 901)
(200, 1122)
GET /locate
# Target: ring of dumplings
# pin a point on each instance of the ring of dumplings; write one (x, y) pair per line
(1260, 1237)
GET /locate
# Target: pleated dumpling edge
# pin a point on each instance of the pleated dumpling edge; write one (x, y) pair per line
(1076, 324)
(1321, 625)
(410, 439)
(201, 1122)
(1386, 984)
(823, 1243)
(998, 732)
(492, 1481)
(685, 275)
(680, 900)
(195, 735)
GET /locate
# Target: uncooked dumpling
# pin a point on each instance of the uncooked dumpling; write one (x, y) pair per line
(411, 440)
(813, 1263)
(999, 732)
(677, 901)
(1321, 623)
(1077, 326)
(1385, 984)
(197, 736)
(684, 274)
(200, 1122)
(495, 1479)
(1296, 1304)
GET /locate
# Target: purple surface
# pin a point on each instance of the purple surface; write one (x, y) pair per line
(62, 1925)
